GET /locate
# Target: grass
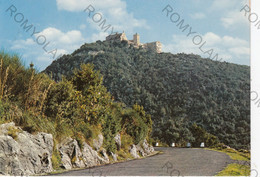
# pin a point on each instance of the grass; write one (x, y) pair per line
(123, 155)
(12, 131)
(235, 170)
(235, 155)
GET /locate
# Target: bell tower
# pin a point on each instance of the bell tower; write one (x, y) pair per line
(136, 39)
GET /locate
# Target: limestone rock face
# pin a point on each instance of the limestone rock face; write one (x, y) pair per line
(143, 149)
(133, 151)
(74, 157)
(22, 153)
(71, 154)
(97, 143)
(105, 158)
(147, 149)
(118, 141)
(114, 156)
(91, 157)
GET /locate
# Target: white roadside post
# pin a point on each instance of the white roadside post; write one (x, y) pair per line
(173, 145)
(188, 145)
(202, 145)
(157, 144)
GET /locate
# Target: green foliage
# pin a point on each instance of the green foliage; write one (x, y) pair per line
(201, 135)
(234, 154)
(4, 110)
(124, 154)
(56, 158)
(12, 131)
(78, 106)
(59, 98)
(175, 132)
(10, 69)
(97, 99)
(110, 129)
(126, 141)
(136, 123)
(182, 88)
(235, 170)
(1, 109)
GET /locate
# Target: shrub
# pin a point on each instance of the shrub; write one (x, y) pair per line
(126, 141)
(56, 158)
(201, 135)
(136, 123)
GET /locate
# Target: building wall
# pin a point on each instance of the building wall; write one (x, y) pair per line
(152, 46)
(123, 37)
(136, 39)
(117, 36)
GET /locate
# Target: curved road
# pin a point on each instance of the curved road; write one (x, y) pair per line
(172, 162)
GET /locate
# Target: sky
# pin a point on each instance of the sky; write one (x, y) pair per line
(40, 31)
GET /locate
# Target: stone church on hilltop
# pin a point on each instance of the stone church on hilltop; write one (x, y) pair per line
(152, 46)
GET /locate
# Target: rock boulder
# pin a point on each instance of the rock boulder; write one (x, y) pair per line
(22, 153)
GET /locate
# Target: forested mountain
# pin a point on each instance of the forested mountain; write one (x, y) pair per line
(177, 90)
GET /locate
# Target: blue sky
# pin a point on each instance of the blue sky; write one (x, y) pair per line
(62, 26)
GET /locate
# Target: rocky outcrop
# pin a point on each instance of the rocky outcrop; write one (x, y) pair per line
(143, 149)
(118, 141)
(90, 156)
(71, 154)
(73, 157)
(114, 156)
(22, 153)
(133, 151)
(97, 143)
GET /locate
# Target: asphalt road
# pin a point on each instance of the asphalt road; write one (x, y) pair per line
(172, 162)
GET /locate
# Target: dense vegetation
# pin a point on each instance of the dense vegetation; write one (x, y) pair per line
(79, 107)
(177, 90)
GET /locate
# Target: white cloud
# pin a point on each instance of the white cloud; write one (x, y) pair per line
(58, 37)
(233, 19)
(230, 41)
(21, 44)
(113, 11)
(227, 47)
(98, 36)
(82, 27)
(58, 42)
(238, 51)
(218, 5)
(198, 15)
(225, 5)
(212, 38)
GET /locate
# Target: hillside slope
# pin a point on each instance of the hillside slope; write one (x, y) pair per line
(75, 123)
(177, 90)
